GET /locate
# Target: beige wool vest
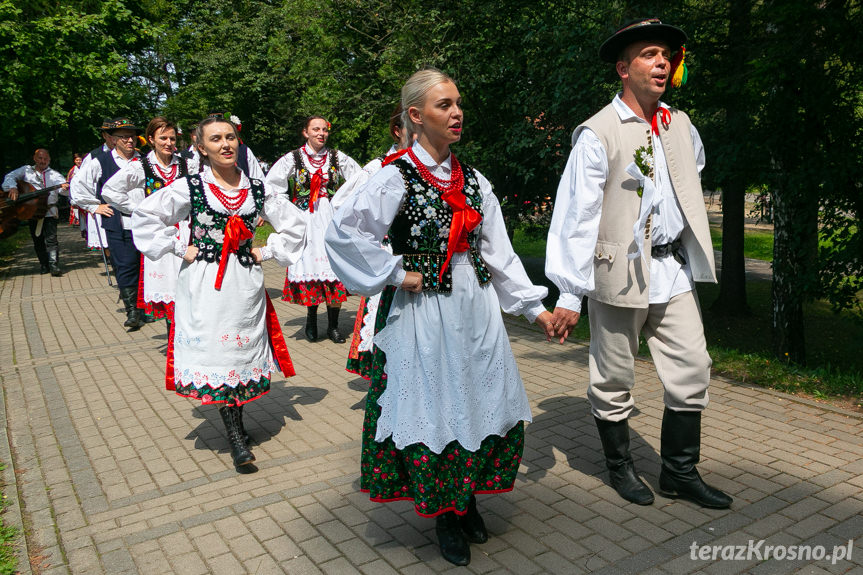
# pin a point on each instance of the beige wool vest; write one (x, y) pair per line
(618, 280)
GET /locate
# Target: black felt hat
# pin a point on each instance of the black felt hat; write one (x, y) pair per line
(124, 124)
(637, 31)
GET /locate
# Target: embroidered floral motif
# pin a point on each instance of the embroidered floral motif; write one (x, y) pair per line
(300, 184)
(208, 225)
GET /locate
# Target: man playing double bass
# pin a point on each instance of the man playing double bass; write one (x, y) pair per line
(42, 230)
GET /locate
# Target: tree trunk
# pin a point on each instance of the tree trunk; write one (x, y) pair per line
(732, 288)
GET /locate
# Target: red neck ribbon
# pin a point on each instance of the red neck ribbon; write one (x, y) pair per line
(661, 115)
(235, 232)
(317, 183)
(394, 156)
(465, 219)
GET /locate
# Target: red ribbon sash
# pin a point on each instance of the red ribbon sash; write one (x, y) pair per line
(465, 219)
(169, 361)
(235, 232)
(277, 340)
(317, 182)
(664, 116)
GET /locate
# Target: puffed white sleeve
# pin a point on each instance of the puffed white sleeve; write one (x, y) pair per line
(125, 189)
(575, 221)
(516, 293)
(348, 165)
(287, 243)
(82, 189)
(354, 183)
(153, 220)
(255, 170)
(277, 178)
(353, 238)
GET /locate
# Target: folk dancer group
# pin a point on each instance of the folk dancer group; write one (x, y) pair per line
(421, 236)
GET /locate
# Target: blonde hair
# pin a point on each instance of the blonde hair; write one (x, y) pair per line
(414, 94)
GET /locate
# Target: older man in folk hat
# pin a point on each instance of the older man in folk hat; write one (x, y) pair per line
(630, 232)
(87, 193)
(43, 230)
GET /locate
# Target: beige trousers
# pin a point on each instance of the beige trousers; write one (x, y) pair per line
(675, 336)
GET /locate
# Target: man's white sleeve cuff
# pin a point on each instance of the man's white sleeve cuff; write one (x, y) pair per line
(570, 301)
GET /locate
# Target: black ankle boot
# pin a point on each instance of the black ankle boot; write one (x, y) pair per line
(239, 452)
(453, 545)
(472, 524)
(312, 323)
(333, 325)
(129, 295)
(681, 450)
(621, 469)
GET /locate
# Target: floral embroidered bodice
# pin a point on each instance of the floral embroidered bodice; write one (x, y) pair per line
(208, 224)
(420, 230)
(300, 183)
(153, 181)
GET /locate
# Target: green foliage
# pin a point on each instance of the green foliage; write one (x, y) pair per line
(8, 536)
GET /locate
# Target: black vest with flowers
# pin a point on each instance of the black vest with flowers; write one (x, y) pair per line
(153, 182)
(208, 225)
(300, 183)
(420, 231)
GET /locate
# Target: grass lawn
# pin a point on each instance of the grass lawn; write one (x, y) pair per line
(8, 559)
(757, 244)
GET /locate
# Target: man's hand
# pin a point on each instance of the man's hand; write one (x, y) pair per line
(563, 321)
(413, 282)
(256, 253)
(104, 210)
(13, 194)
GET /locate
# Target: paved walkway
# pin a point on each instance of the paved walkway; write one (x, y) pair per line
(111, 474)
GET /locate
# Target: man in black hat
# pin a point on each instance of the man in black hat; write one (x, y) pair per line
(630, 232)
(117, 225)
(43, 230)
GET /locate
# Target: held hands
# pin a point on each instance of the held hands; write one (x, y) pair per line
(546, 321)
(191, 253)
(563, 320)
(256, 253)
(413, 282)
(104, 210)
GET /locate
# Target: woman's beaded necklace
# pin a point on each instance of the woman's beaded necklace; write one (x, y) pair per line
(231, 204)
(455, 183)
(316, 163)
(168, 177)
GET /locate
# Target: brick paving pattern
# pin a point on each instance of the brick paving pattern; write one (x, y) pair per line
(141, 481)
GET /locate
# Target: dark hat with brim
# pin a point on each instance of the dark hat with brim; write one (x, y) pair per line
(106, 124)
(124, 124)
(648, 29)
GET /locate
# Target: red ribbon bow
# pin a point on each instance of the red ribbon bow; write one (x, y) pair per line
(235, 232)
(664, 116)
(465, 219)
(317, 182)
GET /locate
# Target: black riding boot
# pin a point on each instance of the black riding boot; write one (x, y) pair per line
(681, 450)
(129, 295)
(453, 545)
(472, 524)
(312, 323)
(239, 452)
(333, 325)
(621, 469)
(54, 262)
(245, 434)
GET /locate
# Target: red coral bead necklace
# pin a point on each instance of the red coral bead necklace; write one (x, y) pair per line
(455, 183)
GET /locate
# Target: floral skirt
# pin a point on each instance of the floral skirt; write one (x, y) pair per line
(243, 393)
(312, 293)
(436, 483)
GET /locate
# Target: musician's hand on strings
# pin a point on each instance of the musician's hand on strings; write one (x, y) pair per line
(13, 194)
(65, 187)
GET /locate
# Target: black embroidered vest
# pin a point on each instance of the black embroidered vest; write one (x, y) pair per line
(153, 181)
(300, 183)
(208, 225)
(420, 231)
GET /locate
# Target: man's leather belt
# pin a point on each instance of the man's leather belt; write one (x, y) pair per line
(674, 249)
